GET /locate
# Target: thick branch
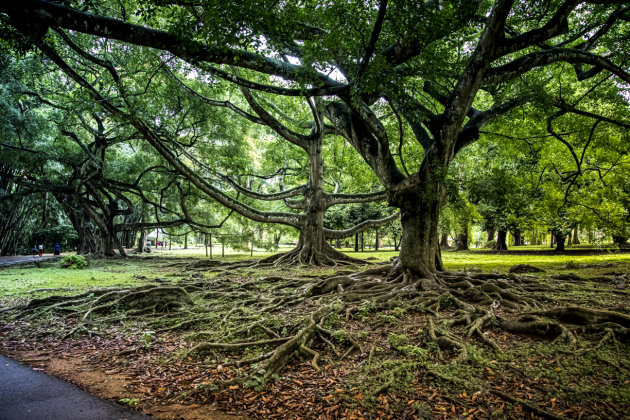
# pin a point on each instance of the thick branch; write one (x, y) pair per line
(528, 62)
(48, 13)
(334, 199)
(367, 224)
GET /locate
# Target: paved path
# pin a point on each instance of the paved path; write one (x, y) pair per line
(10, 260)
(26, 394)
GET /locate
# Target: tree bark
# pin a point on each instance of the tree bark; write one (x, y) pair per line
(518, 237)
(142, 242)
(576, 239)
(443, 240)
(491, 233)
(462, 242)
(419, 246)
(501, 244)
(560, 240)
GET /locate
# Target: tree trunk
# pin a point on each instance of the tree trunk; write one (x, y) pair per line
(396, 244)
(83, 226)
(501, 244)
(443, 240)
(462, 242)
(312, 247)
(518, 237)
(45, 211)
(619, 240)
(185, 241)
(377, 241)
(142, 243)
(560, 239)
(419, 246)
(210, 243)
(576, 239)
(552, 240)
(356, 242)
(491, 233)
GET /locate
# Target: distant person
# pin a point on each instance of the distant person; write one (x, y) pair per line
(57, 249)
(34, 249)
(41, 249)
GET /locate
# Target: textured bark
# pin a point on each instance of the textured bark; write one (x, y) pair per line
(491, 233)
(501, 244)
(419, 246)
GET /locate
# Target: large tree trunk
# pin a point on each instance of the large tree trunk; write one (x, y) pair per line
(462, 242)
(419, 246)
(518, 237)
(312, 247)
(560, 239)
(83, 226)
(501, 244)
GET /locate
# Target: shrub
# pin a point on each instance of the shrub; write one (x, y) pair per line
(76, 262)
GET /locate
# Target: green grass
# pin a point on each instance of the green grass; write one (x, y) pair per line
(479, 259)
(19, 282)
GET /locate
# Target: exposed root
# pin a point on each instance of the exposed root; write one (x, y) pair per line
(308, 255)
(256, 315)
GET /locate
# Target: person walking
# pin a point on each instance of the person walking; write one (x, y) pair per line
(57, 249)
(41, 249)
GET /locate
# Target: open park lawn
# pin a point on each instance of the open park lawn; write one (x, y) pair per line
(189, 337)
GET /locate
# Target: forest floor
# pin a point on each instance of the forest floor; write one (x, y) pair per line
(202, 349)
